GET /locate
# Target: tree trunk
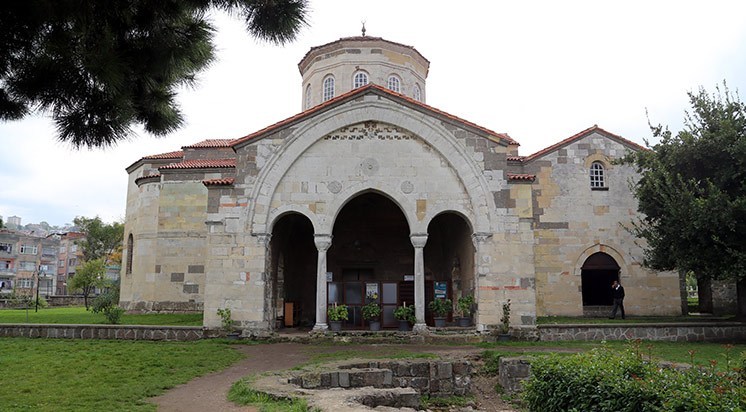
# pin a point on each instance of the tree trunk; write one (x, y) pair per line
(741, 298)
(683, 293)
(704, 293)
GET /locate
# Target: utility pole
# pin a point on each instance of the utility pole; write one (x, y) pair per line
(38, 285)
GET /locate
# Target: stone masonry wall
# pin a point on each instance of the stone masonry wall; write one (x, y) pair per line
(120, 332)
(675, 332)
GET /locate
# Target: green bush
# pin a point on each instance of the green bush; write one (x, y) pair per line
(602, 380)
(107, 303)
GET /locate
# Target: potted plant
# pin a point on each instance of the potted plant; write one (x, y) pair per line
(440, 309)
(228, 324)
(405, 315)
(372, 313)
(464, 305)
(504, 331)
(336, 314)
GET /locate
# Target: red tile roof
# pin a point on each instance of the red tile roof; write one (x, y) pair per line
(361, 90)
(152, 176)
(210, 143)
(521, 177)
(201, 164)
(218, 182)
(579, 136)
(170, 155)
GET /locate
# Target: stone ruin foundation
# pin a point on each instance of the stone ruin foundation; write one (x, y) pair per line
(381, 385)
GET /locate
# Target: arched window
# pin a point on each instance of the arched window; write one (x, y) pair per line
(394, 84)
(308, 96)
(328, 88)
(360, 80)
(417, 93)
(598, 180)
(130, 249)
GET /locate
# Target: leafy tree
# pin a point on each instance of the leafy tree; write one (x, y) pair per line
(1, 223)
(692, 192)
(102, 241)
(100, 66)
(88, 277)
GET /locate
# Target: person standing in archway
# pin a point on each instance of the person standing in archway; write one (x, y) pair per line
(618, 294)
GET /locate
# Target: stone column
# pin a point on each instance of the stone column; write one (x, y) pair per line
(270, 311)
(481, 268)
(323, 242)
(418, 241)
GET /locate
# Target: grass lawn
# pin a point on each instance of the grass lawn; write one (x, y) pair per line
(95, 375)
(564, 320)
(78, 315)
(702, 352)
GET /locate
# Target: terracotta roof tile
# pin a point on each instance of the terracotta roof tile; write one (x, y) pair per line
(219, 182)
(210, 143)
(201, 164)
(580, 135)
(170, 155)
(515, 158)
(361, 90)
(521, 177)
(151, 176)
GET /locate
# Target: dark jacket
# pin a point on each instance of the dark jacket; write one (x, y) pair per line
(618, 293)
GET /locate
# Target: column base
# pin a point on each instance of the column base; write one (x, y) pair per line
(420, 327)
(321, 326)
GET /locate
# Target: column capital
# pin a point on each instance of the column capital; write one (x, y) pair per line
(479, 238)
(263, 238)
(323, 241)
(418, 239)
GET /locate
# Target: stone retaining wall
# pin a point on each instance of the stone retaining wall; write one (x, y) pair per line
(427, 378)
(679, 332)
(122, 332)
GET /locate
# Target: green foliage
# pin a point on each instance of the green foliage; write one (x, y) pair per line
(226, 321)
(99, 67)
(101, 239)
(40, 301)
(371, 311)
(100, 375)
(692, 190)
(242, 394)
(405, 313)
(491, 360)
(605, 380)
(337, 312)
(464, 304)
(440, 307)
(505, 319)
(88, 277)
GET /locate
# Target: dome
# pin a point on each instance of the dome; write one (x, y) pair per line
(336, 68)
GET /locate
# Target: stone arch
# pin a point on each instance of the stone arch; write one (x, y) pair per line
(433, 133)
(600, 247)
(276, 214)
(454, 210)
(355, 191)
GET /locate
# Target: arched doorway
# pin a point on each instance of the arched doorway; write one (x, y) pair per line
(597, 274)
(371, 258)
(449, 260)
(293, 270)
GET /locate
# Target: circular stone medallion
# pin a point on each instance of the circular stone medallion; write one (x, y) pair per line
(407, 187)
(334, 186)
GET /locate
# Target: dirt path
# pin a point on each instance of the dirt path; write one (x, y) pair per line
(209, 392)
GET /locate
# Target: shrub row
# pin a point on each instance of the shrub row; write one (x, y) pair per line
(602, 380)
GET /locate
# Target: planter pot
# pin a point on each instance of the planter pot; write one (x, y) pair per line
(404, 325)
(440, 322)
(464, 322)
(375, 325)
(335, 325)
(503, 337)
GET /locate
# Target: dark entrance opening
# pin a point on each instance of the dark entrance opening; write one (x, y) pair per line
(293, 256)
(370, 257)
(449, 260)
(597, 274)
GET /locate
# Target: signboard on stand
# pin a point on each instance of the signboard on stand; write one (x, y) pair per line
(441, 290)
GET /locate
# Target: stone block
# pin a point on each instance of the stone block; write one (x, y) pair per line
(344, 379)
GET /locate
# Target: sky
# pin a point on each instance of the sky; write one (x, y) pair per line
(538, 70)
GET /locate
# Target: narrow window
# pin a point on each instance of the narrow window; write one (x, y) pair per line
(130, 248)
(328, 88)
(308, 96)
(597, 176)
(417, 93)
(360, 80)
(394, 84)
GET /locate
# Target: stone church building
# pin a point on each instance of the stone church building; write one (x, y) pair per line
(369, 193)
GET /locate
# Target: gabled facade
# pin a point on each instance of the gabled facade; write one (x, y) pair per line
(373, 195)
